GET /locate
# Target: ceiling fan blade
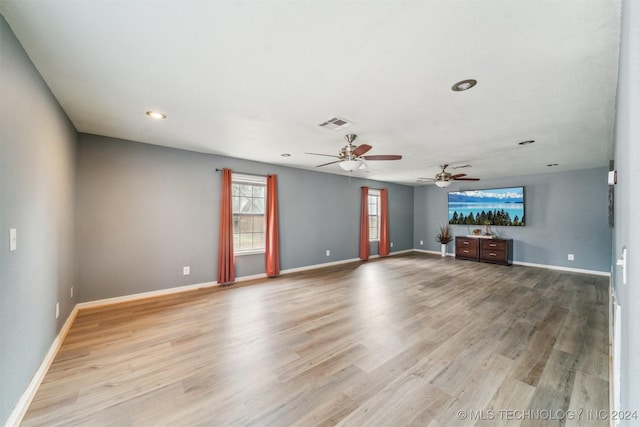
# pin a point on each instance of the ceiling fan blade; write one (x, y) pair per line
(361, 149)
(383, 157)
(330, 163)
(466, 179)
(457, 176)
(326, 155)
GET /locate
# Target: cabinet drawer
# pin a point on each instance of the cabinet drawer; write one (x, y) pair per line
(493, 255)
(470, 252)
(466, 242)
(494, 245)
(466, 248)
(497, 251)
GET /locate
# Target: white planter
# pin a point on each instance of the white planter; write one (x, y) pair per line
(443, 249)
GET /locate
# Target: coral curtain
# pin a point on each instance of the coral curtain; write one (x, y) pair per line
(383, 244)
(272, 243)
(364, 224)
(226, 260)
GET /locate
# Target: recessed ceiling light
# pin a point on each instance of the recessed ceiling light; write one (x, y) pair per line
(552, 164)
(285, 155)
(464, 85)
(156, 115)
(531, 141)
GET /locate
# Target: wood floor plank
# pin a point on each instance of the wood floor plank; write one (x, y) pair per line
(404, 340)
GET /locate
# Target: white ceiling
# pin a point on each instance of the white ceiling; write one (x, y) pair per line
(253, 79)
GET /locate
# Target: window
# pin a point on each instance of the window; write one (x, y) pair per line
(248, 195)
(374, 215)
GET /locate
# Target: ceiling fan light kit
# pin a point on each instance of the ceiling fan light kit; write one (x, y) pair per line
(443, 179)
(351, 158)
(351, 165)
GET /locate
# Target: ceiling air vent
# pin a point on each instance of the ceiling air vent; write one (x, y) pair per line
(335, 123)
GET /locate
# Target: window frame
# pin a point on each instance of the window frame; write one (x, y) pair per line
(374, 194)
(253, 181)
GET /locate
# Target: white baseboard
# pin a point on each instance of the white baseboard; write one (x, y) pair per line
(27, 396)
(344, 261)
(143, 295)
(560, 268)
(17, 414)
(531, 264)
(424, 251)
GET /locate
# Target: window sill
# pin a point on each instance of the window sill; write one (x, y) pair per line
(249, 252)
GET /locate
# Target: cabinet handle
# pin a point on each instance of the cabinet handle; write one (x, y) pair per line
(466, 243)
(465, 251)
(492, 254)
(493, 245)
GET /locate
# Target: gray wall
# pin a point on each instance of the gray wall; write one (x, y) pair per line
(627, 202)
(37, 176)
(146, 211)
(566, 212)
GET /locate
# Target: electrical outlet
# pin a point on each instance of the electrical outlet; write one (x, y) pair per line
(57, 310)
(13, 239)
(71, 296)
(186, 271)
(328, 252)
(421, 242)
(391, 244)
(570, 257)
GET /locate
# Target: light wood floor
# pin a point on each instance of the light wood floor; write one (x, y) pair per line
(406, 340)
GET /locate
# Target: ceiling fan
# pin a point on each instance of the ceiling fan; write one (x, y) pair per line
(444, 178)
(352, 158)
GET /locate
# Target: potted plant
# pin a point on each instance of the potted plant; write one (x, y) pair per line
(443, 238)
(487, 230)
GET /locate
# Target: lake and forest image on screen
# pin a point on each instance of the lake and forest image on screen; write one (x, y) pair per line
(500, 206)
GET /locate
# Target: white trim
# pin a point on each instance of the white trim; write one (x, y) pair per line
(344, 261)
(243, 252)
(314, 266)
(244, 178)
(20, 409)
(569, 269)
(531, 264)
(143, 295)
(251, 277)
(424, 251)
(615, 344)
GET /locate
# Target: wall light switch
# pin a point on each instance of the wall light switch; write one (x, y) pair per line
(421, 242)
(570, 257)
(622, 263)
(13, 239)
(328, 252)
(186, 271)
(391, 244)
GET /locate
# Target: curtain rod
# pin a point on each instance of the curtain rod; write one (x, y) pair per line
(245, 173)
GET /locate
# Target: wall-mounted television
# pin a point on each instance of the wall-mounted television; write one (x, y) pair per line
(497, 206)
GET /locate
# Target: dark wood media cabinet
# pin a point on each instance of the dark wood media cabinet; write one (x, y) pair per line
(497, 251)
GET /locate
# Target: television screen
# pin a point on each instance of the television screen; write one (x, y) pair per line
(498, 206)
